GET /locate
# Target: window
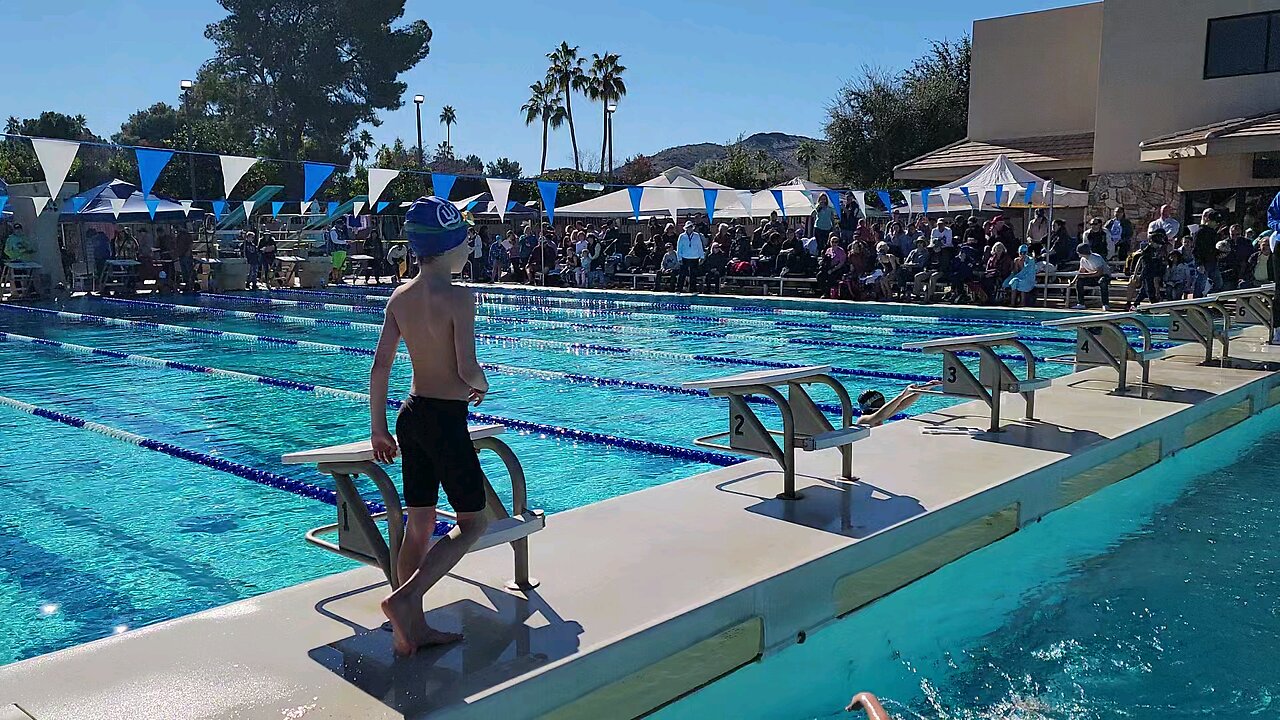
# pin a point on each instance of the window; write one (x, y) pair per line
(1242, 45)
(1266, 166)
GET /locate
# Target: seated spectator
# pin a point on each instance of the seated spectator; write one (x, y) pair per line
(899, 241)
(714, 267)
(669, 268)
(887, 264)
(915, 272)
(1058, 252)
(1094, 272)
(766, 262)
(1257, 271)
(965, 274)
(999, 266)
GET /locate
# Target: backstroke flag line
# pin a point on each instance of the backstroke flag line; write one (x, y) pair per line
(233, 168)
(117, 204)
(745, 198)
(313, 176)
(378, 181)
(55, 158)
(276, 207)
(635, 193)
(500, 189)
(782, 204)
(709, 199)
(441, 184)
(833, 197)
(150, 163)
(248, 209)
(860, 197)
(152, 204)
(357, 206)
(885, 200)
(40, 202)
(547, 190)
(186, 207)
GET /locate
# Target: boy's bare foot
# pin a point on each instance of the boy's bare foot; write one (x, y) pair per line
(433, 637)
(403, 639)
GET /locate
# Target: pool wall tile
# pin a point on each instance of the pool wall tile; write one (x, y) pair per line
(1084, 484)
(1216, 422)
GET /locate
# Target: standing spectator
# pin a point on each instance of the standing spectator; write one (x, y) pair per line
(1258, 271)
(1094, 271)
(186, 263)
(249, 249)
(1166, 220)
(1037, 231)
(1149, 269)
(690, 250)
(1242, 248)
(1120, 233)
(1205, 251)
(500, 256)
(373, 248)
(1096, 237)
(824, 219)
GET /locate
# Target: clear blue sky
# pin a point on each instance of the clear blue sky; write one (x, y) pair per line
(697, 70)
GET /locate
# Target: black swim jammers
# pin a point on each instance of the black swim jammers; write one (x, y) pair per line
(435, 451)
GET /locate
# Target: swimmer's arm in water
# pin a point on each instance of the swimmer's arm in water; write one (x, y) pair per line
(904, 400)
(384, 444)
(464, 342)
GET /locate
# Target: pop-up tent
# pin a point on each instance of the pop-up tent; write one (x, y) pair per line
(675, 192)
(119, 201)
(798, 198)
(1002, 177)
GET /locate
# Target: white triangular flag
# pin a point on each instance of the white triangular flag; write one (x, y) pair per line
(356, 207)
(117, 204)
(982, 199)
(233, 168)
(39, 203)
(305, 207)
(500, 189)
(186, 207)
(745, 199)
(860, 197)
(378, 181)
(55, 158)
(946, 200)
(248, 209)
(673, 202)
(906, 209)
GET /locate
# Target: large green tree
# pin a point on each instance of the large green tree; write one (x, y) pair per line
(882, 119)
(304, 75)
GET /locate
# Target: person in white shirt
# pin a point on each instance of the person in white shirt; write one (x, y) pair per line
(1167, 221)
(941, 235)
(1094, 270)
(1037, 231)
(690, 250)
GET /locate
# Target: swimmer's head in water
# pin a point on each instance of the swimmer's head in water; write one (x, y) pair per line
(434, 226)
(870, 401)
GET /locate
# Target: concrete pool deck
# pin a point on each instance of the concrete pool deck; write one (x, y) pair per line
(650, 595)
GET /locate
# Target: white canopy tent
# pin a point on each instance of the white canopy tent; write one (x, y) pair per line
(798, 199)
(1010, 178)
(674, 192)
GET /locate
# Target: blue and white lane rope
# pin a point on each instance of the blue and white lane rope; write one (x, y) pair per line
(499, 339)
(698, 319)
(644, 446)
(547, 324)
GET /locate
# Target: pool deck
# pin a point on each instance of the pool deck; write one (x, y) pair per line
(648, 596)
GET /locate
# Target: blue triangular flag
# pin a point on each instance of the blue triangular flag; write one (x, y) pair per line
(834, 197)
(1031, 190)
(77, 203)
(152, 203)
(967, 197)
(471, 205)
(511, 205)
(219, 207)
(150, 163)
(441, 184)
(777, 197)
(635, 192)
(924, 200)
(382, 206)
(884, 198)
(276, 207)
(313, 176)
(709, 198)
(547, 189)
(999, 195)
(331, 207)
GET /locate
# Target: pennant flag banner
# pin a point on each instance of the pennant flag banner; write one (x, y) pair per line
(833, 197)
(152, 204)
(635, 192)
(885, 200)
(219, 207)
(77, 203)
(906, 208)
(777, 197)
(860, 197)
(999, 195)
(442, 183)
(1049, 191)
(982, 199)
(55, 158)
(276, 207)
(40, 202)
(1031, 190)
(968, 197)
(233, 168)
(547, 189)
(331, 208)
(378, 181)
(500, 189)
(248, 209)
(313, 176)
(305, 207)
(186, 207)
(746, 199)
(150, 163)
(709, 198)
(382, 206)
(946, 200)
(357, 207)
(924, 200)
(117, 204)
(673, 204)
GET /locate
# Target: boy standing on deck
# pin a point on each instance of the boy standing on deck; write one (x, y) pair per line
(437, 321)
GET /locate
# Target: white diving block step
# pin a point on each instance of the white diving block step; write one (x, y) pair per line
(358, 535)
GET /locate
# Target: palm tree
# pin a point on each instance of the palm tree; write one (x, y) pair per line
(604, 83)
(807, 154)
(544, 104)
(567, 74)
(448, 116)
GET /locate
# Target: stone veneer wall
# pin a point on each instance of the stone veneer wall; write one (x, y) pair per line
(1141, 195)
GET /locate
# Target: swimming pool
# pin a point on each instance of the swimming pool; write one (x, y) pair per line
(179, 501)
(1154, 598)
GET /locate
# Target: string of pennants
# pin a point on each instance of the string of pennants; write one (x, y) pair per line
(56, 156)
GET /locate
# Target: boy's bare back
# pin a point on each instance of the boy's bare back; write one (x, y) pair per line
(436, 321)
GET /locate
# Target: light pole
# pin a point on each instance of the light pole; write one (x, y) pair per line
(417, 101)
(186, 86)
(610, 109)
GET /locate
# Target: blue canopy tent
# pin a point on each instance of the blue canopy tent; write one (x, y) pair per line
(4, 192)
(95, 206)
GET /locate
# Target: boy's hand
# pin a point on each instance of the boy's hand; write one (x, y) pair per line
(384, 446)
(477, 396)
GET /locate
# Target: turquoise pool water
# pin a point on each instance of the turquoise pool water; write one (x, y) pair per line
(1154, 599)
(102, 536)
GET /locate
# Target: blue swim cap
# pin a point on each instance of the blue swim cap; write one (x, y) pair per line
(434, 226)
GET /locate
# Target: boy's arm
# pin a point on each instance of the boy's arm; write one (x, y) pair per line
(384, 445)
(464, 342)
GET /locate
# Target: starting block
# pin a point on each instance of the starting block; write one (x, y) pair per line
(1252, 306)
(994, 377)
(1100, 340)
(1196, 321)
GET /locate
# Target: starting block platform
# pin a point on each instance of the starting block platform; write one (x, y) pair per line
(1101, 340)
(994, 376)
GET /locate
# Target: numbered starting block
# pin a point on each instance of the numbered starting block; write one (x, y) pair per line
(1100, 340)
(804, 425)
(359, 537)
(1252, 306)
(1196, 321)
(994, 377)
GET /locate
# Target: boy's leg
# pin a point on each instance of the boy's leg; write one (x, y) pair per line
(417, 540)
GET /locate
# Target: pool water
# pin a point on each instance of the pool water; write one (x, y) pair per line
(1156, 598)
(101, 536)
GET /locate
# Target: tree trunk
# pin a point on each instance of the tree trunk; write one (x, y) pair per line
(448, 135)
(604, 136)
(573, 135)
(545, 122)
(808, 172)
